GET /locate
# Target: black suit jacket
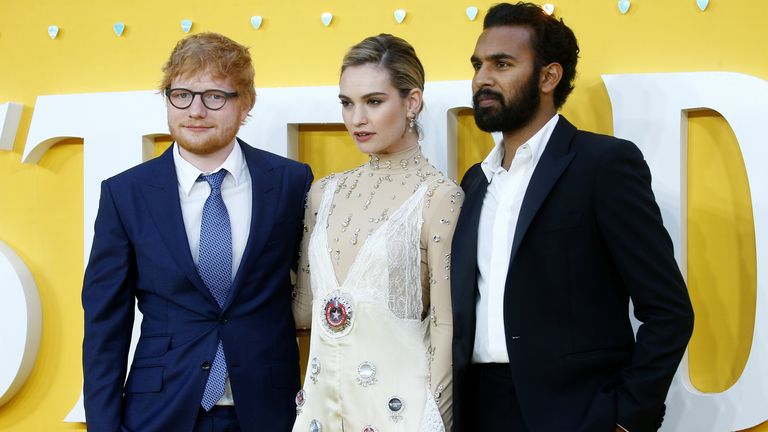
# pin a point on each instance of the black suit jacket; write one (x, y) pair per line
(141, 255)
(589, 237)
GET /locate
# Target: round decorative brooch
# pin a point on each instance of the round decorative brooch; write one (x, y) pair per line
(300, 399)
(336, 315)
(366, 374)
(396, 407)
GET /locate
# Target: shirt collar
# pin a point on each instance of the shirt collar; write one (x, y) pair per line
(537, 143)
(187, 174)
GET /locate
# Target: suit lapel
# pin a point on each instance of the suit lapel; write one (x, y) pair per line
(162, 195)
(263, 205)
(465, 240)
(555, 159)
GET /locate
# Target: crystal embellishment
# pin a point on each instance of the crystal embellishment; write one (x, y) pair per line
(314, 369)
(315, 426)
(439, 393)
(396, 407)
(366, 374)
(300, 399)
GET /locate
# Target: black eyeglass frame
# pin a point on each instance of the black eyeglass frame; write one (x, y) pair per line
(227, 96)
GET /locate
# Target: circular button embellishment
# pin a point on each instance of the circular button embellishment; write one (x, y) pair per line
(395, 404)
(396, 407)
(370, 428)
(314, 369)
(300, 399)
(337, 314)
(315, 426)
(366, 374)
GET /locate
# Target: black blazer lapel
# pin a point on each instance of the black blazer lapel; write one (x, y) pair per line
(555, 159)
(263, 182)
(464, 266)
(162, 196)
(465, 236)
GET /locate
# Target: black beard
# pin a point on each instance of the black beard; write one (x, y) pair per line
(510, 115)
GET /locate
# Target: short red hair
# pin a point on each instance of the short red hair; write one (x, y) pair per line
(217, 54)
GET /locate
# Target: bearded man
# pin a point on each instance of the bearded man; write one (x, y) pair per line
(202, 238)
(559, 230)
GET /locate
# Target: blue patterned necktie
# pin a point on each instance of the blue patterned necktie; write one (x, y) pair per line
(215, 268)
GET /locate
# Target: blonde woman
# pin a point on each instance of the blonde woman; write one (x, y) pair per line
(374, 273)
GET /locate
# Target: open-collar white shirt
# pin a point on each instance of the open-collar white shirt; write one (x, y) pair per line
(498, 220)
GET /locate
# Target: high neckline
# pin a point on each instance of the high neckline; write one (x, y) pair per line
(409, 159)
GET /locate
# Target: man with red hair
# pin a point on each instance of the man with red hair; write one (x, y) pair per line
(203, 238)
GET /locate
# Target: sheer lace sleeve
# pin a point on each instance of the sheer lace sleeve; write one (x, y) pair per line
(302, 292)
(441, 211)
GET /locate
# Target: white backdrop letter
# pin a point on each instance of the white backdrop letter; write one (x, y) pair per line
(22, 320)
(651, 110)
(118, 131)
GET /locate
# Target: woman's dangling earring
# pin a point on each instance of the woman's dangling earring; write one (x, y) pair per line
(411, 124)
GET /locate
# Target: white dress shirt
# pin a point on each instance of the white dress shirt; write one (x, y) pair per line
(236, 192)
(498, 220)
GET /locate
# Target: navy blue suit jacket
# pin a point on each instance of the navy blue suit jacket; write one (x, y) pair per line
(589, 237)
(141, 253)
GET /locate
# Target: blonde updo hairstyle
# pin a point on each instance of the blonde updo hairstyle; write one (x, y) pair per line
(394, 55)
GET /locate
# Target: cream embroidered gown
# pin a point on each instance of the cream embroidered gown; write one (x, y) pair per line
(377, 253)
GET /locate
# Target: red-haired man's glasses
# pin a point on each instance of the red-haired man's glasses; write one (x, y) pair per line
(182, 98)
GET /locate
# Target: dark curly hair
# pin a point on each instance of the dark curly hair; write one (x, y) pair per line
(551, 40)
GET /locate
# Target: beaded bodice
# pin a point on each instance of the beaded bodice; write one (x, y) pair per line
(380, 234)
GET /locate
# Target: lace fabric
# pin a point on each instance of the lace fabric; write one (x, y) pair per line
(387, 269)
(374, 287)
(431, 421)
(403, 258)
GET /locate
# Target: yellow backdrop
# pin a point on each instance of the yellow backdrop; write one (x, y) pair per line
(41, 206)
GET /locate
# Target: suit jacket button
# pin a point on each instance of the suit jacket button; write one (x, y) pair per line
(205, 365)
(223, 320)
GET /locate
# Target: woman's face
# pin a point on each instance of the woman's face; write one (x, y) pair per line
(375, 114)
